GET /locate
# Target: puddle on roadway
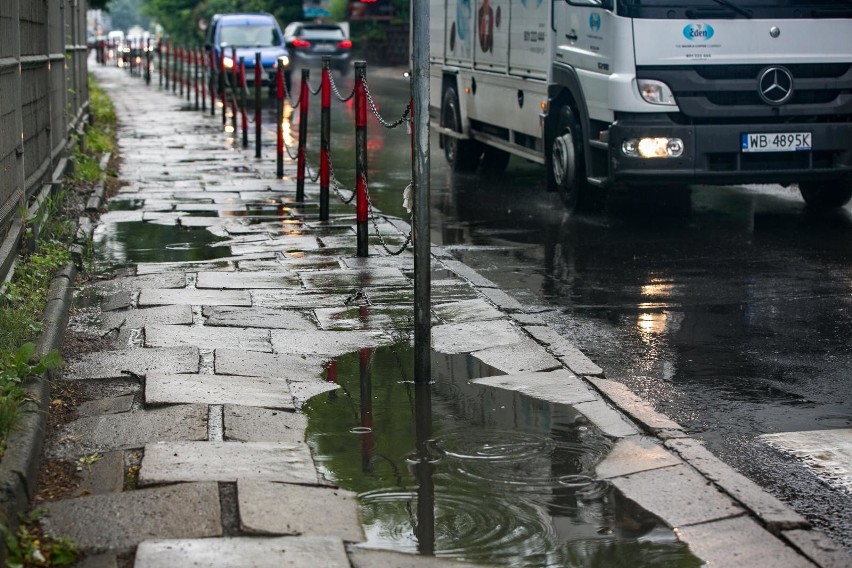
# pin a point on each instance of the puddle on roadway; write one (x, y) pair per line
(121, 244)
(484, 475)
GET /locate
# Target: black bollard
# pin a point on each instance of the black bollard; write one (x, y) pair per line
(361, 206)
(325, 137)
(258, 80)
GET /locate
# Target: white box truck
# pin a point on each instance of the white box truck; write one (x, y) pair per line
(648, 91)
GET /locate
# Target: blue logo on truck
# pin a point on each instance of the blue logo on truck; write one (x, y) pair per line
(698, 32)
(595, 21)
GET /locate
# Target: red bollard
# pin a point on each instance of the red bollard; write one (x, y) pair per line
(180, 59)
(361, 212)
(203, 62)
(243, 115)
(303, 134)
(213, 84)
(165, 70)
(222, 91)
(194, 55)
(325, 137)
(258, 83)
(279, 118)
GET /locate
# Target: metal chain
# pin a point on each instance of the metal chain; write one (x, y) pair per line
(382, 121)
(313, 92)
(335, 184)
(340, 97)
(376, 223)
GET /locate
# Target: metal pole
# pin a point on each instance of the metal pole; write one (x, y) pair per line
(148, 61)
(361, 212)
(258, 79)
(195, 71)
(160, 64)
(165, 70)
(243, 115)
(202, 59)
(187, 58)
(303, 135)
(222, 93)
(214, 82)
(180, 52)
(234, 72)
(175, 54)
(325, 137)
(279, 119)
(422, 242)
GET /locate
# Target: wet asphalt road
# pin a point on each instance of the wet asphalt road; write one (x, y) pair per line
(730, 309)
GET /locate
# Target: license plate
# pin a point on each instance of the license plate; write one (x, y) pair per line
(322, 47)
(776, 141)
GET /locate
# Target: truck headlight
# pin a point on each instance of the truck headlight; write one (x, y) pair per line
(656, 92)
(652, 148)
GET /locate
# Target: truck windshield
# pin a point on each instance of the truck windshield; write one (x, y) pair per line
(735, 8)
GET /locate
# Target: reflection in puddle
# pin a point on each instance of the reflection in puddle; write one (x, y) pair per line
(485, 475)
(120, 244)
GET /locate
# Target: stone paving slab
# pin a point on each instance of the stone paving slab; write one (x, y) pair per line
(272, 365)
(632, 455)
(678, 495)
(142, 281)
(246, 280)
(303, 391)
(112, 405)
(146, 268)
(136, 361)
(267, 318)
(106, 475)
(637, 408)
(244, 552)
(117, 301)
(564, 350)
(120, 521)
(607, 419)
(130, 430)
(775, 514)
(280, 508)
(208, 337)
(330, 343)
(502, 300)
(473, 336)
(819, 548)
(558, 387)
(360, 278)
(168, 462)
(469, 274)
(476, 309)
(739, 542)
(296, 299)
(161, 315)
(520, 358)
(218, 389)
(365, 317)
(252, 424)
(159, 297)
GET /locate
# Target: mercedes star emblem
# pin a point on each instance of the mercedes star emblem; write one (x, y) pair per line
(775, 85)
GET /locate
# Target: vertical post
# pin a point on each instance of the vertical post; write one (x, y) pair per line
(160, 64)
(258, 80)
(202, 59)
(304, 98)
(222, 94)
(243, 116)
(180, 58)
(214, 82)
(189, 62)
(424, 470)
(195, 70)
(279, 119)
(235, 69)
(175, 53)
(325, 136)
(420, 166)
(148, 57)
(361, 212)
(165, 70)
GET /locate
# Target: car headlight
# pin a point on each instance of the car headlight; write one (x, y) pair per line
(228, 62)
(284, 60)
(656, 92)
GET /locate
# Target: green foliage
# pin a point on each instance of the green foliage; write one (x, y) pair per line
(127, 13)
(28, 548)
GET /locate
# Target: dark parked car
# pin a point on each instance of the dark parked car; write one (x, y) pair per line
(248, 34)
(309, 42)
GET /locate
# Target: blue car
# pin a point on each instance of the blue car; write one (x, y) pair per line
(248, 34)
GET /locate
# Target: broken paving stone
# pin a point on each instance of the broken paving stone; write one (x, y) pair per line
(134, 319)
(296, 299)
(112, 405)
(290, 367)
(101, 473)
(266, 318)
(116, 301)
(467, 310)
(129, 430)
(248, 280)
(245, 552)
(167, 462)
(217, 389)
(632, 455)
(607, 419)
(473, 336)
(159, 297)
(252, 424)
(330, 343)
(303, 391)
(139, 361)
(520, 358)
(558, 387)
(347, 279)
(365, 317)
(183, 267)
(208, 337)
(281, 508)
(120, 521)
(142, 282)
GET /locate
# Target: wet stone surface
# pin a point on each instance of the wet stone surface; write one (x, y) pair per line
(467, 310)
(329, 343)
(194, 297)
(250, 424)
(164, 315)
(242, 280)
(256, 317)
(133, 362)
(473, 336)
(208, 337)
(290, 367)
(217, 389)
(560, 387)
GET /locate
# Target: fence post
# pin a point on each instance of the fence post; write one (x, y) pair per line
(304, 98)
(160, 64)
(235, 70)
(195, 60)
(258, 80)
(148, 61)
(325, 136)
(175, 54)
(361, 158)
(279, 119)
(187, 56)
(214, 82)
(202, 60)
(243, 115)
(165, 70)
(180, 58)
(222, 94)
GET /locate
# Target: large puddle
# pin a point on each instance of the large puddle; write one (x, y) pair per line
(460, 470)
(126, 243)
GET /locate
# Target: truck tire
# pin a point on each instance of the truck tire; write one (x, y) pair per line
(566, 165)
(826, 194)
(461, 155)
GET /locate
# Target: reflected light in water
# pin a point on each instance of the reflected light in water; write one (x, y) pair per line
(658, 289)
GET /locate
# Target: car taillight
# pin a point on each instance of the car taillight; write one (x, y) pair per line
(301, 43)
(345, 44)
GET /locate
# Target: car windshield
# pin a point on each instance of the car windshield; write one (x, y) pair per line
(323, 33)
(255, 35)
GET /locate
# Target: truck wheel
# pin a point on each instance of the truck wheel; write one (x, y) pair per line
(462, 155)
(495, 160)
(566, 164)
(826, 194)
